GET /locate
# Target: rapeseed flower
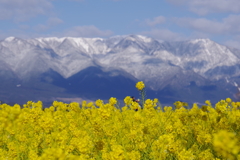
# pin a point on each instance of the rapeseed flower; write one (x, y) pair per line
(112, 101)
(228, 100)
(140, 85)
(83, 131)
(128, 100)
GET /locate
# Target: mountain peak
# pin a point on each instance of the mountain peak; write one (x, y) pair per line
(9, 39)
(201, 40)
(142, 38)
(49, 39)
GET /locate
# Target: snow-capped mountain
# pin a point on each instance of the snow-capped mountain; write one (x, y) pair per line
(198, 62)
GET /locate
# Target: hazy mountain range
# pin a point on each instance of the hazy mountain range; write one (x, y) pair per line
(90, 68)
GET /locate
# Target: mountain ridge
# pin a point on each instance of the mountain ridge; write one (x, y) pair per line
(159, 64)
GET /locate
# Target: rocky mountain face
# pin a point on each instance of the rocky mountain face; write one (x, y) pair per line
(51, 68)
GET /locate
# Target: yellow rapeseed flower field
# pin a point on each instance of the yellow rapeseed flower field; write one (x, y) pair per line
(106, 131)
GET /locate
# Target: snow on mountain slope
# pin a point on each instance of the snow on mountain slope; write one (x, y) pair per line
(16, 53)
(143, 57)
(59, 45)
(200, 55)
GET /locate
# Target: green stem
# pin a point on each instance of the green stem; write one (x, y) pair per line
(143, 96)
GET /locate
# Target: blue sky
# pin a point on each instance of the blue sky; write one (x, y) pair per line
(170, 20)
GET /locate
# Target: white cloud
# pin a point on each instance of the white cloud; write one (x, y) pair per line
(155, 21)
(227, 26)
(201, 24)
(21, 10)
(78, 31)
(87, 31)
(163, 34)
(24, 27)
(41, 27)
(203, 7)
(51, 22)
(20, 33)
(232, 43)
(199, 35)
